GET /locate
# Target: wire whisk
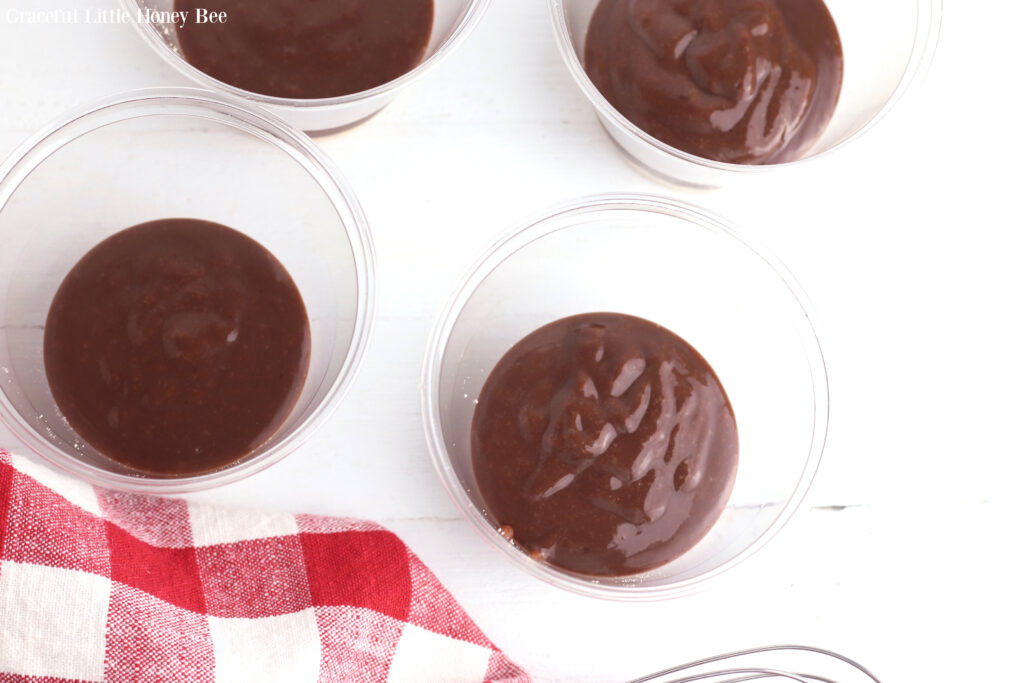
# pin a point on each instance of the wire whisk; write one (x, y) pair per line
(799, 663)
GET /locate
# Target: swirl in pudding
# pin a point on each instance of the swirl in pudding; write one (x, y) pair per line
(604, 444)
(739, 81)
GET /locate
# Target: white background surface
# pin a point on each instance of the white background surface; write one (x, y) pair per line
(908, 242)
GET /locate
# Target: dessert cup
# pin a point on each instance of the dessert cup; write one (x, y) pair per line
(687, 270)
(881, 60)
(453, 22)
(176, 153)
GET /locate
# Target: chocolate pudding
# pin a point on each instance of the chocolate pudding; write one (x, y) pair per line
(739, 81)
(306, 50)
(176, 347)
(604, 444)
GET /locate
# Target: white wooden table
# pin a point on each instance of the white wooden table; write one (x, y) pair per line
(908, 242)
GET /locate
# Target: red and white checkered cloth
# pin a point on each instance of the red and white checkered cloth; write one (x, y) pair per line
(103, 586)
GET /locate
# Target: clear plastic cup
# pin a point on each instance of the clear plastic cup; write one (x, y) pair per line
(176, 153)
(881, 60)
(687, 270)
(453, 21)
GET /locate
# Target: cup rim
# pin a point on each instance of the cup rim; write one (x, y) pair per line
(929, 22)
(197, 103)
(470, 18)
(521, 235)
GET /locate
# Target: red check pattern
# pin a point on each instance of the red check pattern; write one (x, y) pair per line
(97, 585)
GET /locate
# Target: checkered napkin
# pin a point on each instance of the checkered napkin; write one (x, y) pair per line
(104, 586)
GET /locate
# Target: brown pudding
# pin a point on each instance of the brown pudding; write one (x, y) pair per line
(604, 444)
(176, 347)
(306, 50)
(740, 81)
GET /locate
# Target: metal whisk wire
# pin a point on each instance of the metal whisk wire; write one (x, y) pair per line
(751, 673)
